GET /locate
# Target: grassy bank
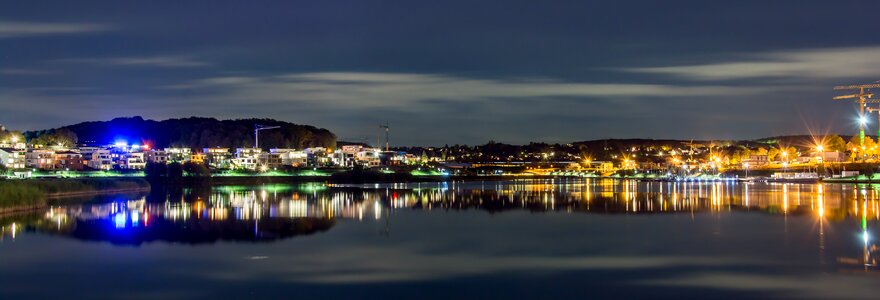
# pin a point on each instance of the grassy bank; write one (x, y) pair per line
(24, 193)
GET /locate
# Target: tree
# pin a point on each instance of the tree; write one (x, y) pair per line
(62, 137)
(175, 171)
(835, 143)
(155, 170)
(870, 147)
(196, 169)
(761, 151)
(773, 153)
(6, 136)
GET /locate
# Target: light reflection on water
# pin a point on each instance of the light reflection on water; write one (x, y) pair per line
(841, 221)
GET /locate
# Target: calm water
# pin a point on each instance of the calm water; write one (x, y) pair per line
(538, 239)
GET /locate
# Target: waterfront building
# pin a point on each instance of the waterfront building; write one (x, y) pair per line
(98, 159)
(13, 158)
(318, 156)
(343, 159)
(246, 158)
(42, 159)
(69, 161)
(198, 158)
(291, 157)
(178, 154)
(133, 161)
(269, 160)
(833, 156)
(352, 149)
(218, 157)
(369, 158)
(757, 160)
(157, 156)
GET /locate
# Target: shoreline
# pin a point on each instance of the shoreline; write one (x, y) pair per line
(248, 180)
(17, 196)
(258, 180)
(20, 209)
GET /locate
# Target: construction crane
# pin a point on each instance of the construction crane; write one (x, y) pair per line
(257, 129)
(387, 143)
(862, 98)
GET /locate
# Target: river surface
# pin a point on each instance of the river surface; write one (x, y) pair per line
(576, 238)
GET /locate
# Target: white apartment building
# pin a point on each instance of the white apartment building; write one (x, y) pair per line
(40, 159)
(246, 158)
(292, 157)
(178, 154)
(133, 161)
(13, 158)
(157, 156)
(99, 159)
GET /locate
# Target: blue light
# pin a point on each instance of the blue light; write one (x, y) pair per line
(119, 219)
(121, 144)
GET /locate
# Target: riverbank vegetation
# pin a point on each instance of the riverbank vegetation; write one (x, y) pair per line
(23, 193)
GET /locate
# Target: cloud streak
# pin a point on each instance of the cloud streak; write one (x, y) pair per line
(29, 29)
(391, 90)
(144, 61)
(829, 63)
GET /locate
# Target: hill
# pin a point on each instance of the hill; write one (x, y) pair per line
(192, 132)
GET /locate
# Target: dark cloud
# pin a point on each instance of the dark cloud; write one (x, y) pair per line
(445, 72)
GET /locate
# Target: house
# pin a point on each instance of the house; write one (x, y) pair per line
(369, 158)
(246, 158)
(198, 158)
(755, 160)
(218, 157)
(318, 156)
(157, 156)
(133, 161)
(343, 159)
(291, 157)
(98, 159)
(352, 149)
(833, 156)
(69, 160)
(42, 159)
(269, 160)
(178, 154)
(13, 158)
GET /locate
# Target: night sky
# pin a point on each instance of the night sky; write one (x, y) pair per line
(445, 72)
